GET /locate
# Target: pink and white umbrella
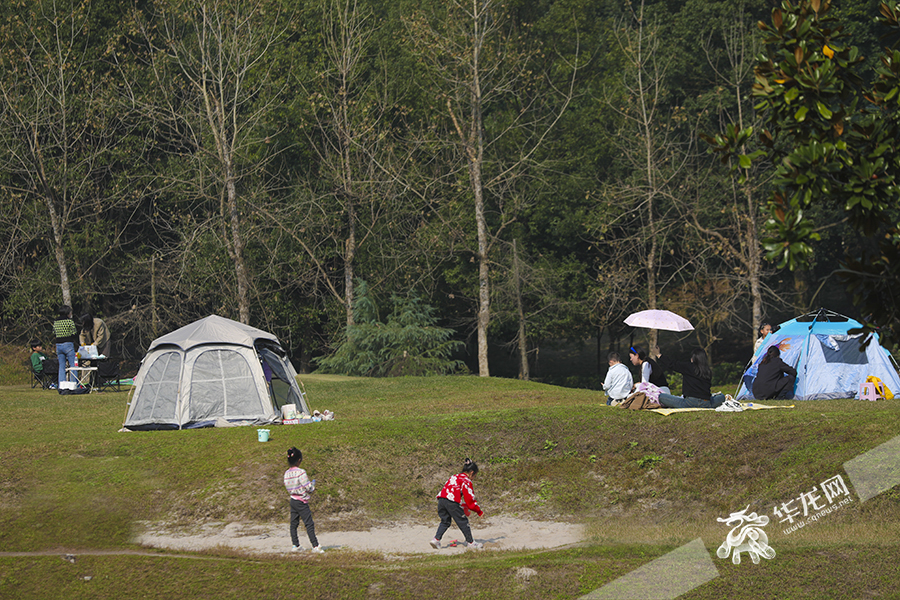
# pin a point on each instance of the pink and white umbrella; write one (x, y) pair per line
(659, 319)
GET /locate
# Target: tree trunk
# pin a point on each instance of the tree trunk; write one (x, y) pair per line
(237, 247)
(646, 125)
(349, 256)
(484, 291)
(350, 251)
(524, 372)
(55, 224)
(63, 271)
(754, 258)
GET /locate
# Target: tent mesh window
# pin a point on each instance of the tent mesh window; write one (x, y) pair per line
(222, 384)
(159, 391)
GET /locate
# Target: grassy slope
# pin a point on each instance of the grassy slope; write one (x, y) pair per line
(642, 482)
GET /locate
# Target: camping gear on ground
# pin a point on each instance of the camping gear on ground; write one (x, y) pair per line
(659, 319)
(637, 401)
(262, 435)
(107, 375)
(827, 357)
(214, 369)
(69, 388)
(868, 391)
(883, 390)
(730, 405)
(44, 379)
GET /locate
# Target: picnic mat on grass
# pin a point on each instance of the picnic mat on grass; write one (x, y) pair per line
(746, 405)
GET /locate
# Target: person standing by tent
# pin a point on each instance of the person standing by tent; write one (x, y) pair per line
(618, 382)
(650, 371)
(696, 382)
(299, 487)
(764, 330)
(774, 377)
(455, 500)
(66, 338)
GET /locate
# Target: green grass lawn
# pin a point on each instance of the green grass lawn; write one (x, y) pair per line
(642, 483)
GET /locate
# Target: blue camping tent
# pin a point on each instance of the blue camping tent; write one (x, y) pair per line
(828, 360)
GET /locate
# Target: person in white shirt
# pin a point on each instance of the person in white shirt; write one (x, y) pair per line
(618, 382)
(764, 330)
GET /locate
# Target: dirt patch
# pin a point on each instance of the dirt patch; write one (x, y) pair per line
(495, 532)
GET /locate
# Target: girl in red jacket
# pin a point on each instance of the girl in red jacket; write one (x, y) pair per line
(455, 501)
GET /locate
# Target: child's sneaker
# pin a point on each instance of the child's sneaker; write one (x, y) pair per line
(317, 550)
(475, 545)
(296, 548)
(435, 543)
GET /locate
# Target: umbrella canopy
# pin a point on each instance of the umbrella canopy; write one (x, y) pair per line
(659, 319)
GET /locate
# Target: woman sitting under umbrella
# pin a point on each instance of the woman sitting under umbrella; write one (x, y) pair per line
(650, 371)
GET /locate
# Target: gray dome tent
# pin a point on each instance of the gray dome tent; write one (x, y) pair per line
(212, 370)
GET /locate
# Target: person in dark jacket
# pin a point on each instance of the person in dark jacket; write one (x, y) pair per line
(650, 371)
(696, 382)
(774, 378)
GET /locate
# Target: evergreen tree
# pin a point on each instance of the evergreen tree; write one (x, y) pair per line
(408, 343)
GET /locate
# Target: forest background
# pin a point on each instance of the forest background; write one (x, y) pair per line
(524, 173)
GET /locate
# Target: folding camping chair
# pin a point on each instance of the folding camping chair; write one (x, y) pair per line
(107, 375)
(42, 379)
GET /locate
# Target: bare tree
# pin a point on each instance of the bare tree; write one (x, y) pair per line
(531, 290)
(648, 144)
(475, 64)
(739, 241)
(351, 138)
(56, 128)
(213, 95)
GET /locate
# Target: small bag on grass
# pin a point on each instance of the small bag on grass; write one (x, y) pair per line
(638, 401)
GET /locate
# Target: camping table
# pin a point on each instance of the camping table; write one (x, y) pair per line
(84, 375)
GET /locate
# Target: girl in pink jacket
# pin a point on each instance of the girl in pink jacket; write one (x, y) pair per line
(299, 486)
(455, 501)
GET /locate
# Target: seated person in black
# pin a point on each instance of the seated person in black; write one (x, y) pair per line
(774, 377)
(696, 382)
(650, 371)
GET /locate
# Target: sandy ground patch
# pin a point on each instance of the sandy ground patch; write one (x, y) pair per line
(496, 532)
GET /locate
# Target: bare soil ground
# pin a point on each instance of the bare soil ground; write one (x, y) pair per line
(495, 532)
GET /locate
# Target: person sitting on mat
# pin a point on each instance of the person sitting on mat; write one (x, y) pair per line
(618, 382)
(650, 371)
(774, 377)
(695, 385)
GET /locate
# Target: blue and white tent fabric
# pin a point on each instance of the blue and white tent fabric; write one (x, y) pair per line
(827, 357)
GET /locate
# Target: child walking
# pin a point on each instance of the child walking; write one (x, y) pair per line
(455, 501)
(299, 486)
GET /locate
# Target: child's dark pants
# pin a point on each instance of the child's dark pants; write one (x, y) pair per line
(300, 510)
(447, 509)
